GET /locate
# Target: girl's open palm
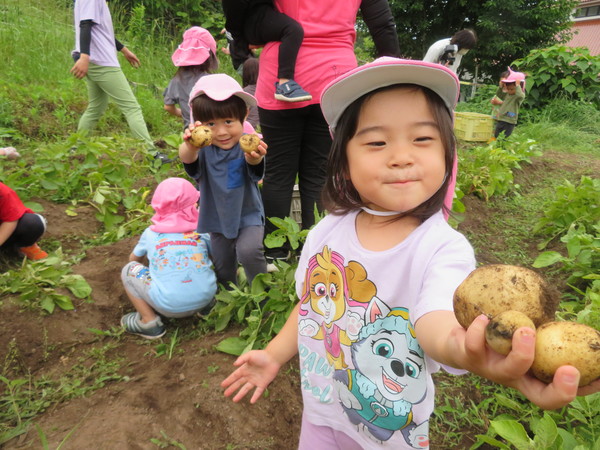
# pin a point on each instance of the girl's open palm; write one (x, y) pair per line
(256, 369)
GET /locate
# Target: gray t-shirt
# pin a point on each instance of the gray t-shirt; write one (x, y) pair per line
(178, 92)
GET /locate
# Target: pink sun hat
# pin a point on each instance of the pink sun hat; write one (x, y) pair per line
(387, 71)
(174, 202)
(514, 77)
(219, 87)
(195, 48)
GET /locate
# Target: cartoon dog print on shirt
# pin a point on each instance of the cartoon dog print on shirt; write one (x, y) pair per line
(388, 378)
(328, 287)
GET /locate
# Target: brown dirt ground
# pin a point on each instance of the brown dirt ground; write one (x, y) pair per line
(179, 397)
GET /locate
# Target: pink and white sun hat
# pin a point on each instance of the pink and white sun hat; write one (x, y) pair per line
(174, 202)
(220, 87)
(387, 71)
(514, 77)
(195, 48)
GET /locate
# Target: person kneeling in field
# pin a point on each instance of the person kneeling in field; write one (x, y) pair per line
(179, 280)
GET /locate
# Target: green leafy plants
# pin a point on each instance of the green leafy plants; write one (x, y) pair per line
(261, 310)
(488, 170)
(574, 427)
(560, 71)
(44, 283)
(571, 204)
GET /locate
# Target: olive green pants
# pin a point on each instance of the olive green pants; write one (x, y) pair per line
(110, 82)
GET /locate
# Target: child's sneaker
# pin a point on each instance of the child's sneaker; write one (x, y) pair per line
(290, 91)
(151, 330)
(33, 252)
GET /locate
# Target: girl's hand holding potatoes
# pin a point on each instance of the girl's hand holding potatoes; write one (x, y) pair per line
(500, 307)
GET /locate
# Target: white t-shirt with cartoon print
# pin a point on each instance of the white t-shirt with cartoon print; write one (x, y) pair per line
(362, 369)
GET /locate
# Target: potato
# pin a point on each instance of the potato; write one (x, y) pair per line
(495, 288)
(500, 330)
(572, 343)
(201, 136)
(249, 142)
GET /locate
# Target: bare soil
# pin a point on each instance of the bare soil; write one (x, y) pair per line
(178, 399)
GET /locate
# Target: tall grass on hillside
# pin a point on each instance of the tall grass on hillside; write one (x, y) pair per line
(41, 100)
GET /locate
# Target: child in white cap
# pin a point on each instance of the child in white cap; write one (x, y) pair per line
(194, 58)
(377, 275)
(179, 280)
(231, 208)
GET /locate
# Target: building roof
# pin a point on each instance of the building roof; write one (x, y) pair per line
(587, 35)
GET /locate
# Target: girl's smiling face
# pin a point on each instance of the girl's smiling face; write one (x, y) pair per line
(226, 132)
(396, 157)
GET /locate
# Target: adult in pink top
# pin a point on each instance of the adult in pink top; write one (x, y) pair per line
(297, 134)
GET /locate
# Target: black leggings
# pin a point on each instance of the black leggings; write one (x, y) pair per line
(266, 24)
(30, 229)
(299, 143)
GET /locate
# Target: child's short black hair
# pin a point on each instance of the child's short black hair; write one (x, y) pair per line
(250, 72)
(340, 196)
(205, 108)
(464, 39)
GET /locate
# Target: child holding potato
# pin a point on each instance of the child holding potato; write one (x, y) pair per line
(231, 208)
(377, 275)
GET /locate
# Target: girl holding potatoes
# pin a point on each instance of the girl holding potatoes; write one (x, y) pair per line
(377, 276)
(227, 164)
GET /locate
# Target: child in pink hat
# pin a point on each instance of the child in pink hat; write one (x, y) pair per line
(508, 97)
(179, 279)
(231, 208)
(194, 58)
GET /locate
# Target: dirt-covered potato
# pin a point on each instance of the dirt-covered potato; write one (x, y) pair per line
(500, 330)
(496, 288)
(249, 142)
(201, 136)
(572, 343)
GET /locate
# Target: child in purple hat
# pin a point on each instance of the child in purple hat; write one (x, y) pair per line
(194, 58)
(179, 280)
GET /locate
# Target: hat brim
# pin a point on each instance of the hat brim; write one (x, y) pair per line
(383, 72)
(190, 57)
(220, 96)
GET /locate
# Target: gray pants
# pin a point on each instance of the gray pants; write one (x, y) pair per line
(247, 249)
(137, 281)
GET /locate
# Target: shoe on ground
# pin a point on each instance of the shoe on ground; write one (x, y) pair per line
(164, 159)
(151, 330)
(290, 91)
(33, 252)
(272, 268)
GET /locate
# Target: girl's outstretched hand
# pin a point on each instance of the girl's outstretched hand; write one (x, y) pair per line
(513, 369)
(256, 369)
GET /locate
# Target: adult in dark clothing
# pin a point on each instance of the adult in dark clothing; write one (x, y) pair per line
(297, 134)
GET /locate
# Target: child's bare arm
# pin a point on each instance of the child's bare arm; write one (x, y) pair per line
(134, 257)
(6, 230)
(443, 339)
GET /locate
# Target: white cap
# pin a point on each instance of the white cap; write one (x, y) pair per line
(387, 71)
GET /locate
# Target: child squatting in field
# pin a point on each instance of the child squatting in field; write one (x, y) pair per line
(377, 275)
(231, 208)
(20, 227)
(179, 280)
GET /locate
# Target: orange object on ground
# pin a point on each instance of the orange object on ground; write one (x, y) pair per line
(33, 252)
